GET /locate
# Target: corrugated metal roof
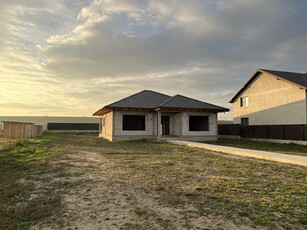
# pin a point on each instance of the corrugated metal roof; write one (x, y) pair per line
(183, 102)
(145, 99)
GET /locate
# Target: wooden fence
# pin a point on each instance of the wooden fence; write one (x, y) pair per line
(21, 130)
(281, 132)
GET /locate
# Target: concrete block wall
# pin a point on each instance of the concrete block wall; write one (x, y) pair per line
(107, 127)
(112, 129)
(119, 133)
(175, 124)
(185, 124)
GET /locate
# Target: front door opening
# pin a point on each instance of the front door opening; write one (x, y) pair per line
(165, 122)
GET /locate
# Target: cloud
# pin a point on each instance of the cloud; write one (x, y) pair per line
(106, 49)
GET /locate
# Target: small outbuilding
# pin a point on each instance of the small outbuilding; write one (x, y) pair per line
(21, 130)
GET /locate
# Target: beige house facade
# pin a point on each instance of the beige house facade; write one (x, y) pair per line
(151, 115)
(271, 98)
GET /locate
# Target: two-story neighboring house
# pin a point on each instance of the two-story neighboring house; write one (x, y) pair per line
(271, 97)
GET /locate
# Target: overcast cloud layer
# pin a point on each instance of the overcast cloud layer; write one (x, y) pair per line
(69, 57)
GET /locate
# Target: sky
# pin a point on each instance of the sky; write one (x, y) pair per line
(70, 57)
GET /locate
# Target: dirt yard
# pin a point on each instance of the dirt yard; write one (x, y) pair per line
(82, 182)
(109, 203)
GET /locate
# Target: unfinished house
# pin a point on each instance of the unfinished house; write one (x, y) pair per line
(149, 115)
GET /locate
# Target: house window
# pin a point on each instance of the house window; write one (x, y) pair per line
(134, 122)
(244, 121)
(244, 101)
(198, 123)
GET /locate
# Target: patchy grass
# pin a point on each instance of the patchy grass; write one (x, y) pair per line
(266, 193)
(190, 181)
(2, 144)
(25, 196)
(291, 148)
(140, 211)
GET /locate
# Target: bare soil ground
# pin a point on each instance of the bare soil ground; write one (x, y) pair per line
(109, 203)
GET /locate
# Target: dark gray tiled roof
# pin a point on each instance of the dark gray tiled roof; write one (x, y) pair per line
(297, 78)
(145, 99)
(182, 102)
(151, 100)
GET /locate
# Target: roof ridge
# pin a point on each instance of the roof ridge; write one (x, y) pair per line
(281, 71)
(155, 92)
(125, 98)
(148, 99)
(171, 98)
(189, 98)
(199, 100)
(135, 95)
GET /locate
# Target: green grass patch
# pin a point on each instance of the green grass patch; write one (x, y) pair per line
(195, 181)
(140, 211)
(217, 184)
(290, 148)
(20, 163)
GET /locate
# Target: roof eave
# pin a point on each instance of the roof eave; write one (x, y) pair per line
(245, 85)
(291, 82)
(132, 108)
(18, 122)
(193, 109)
(102, 111)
